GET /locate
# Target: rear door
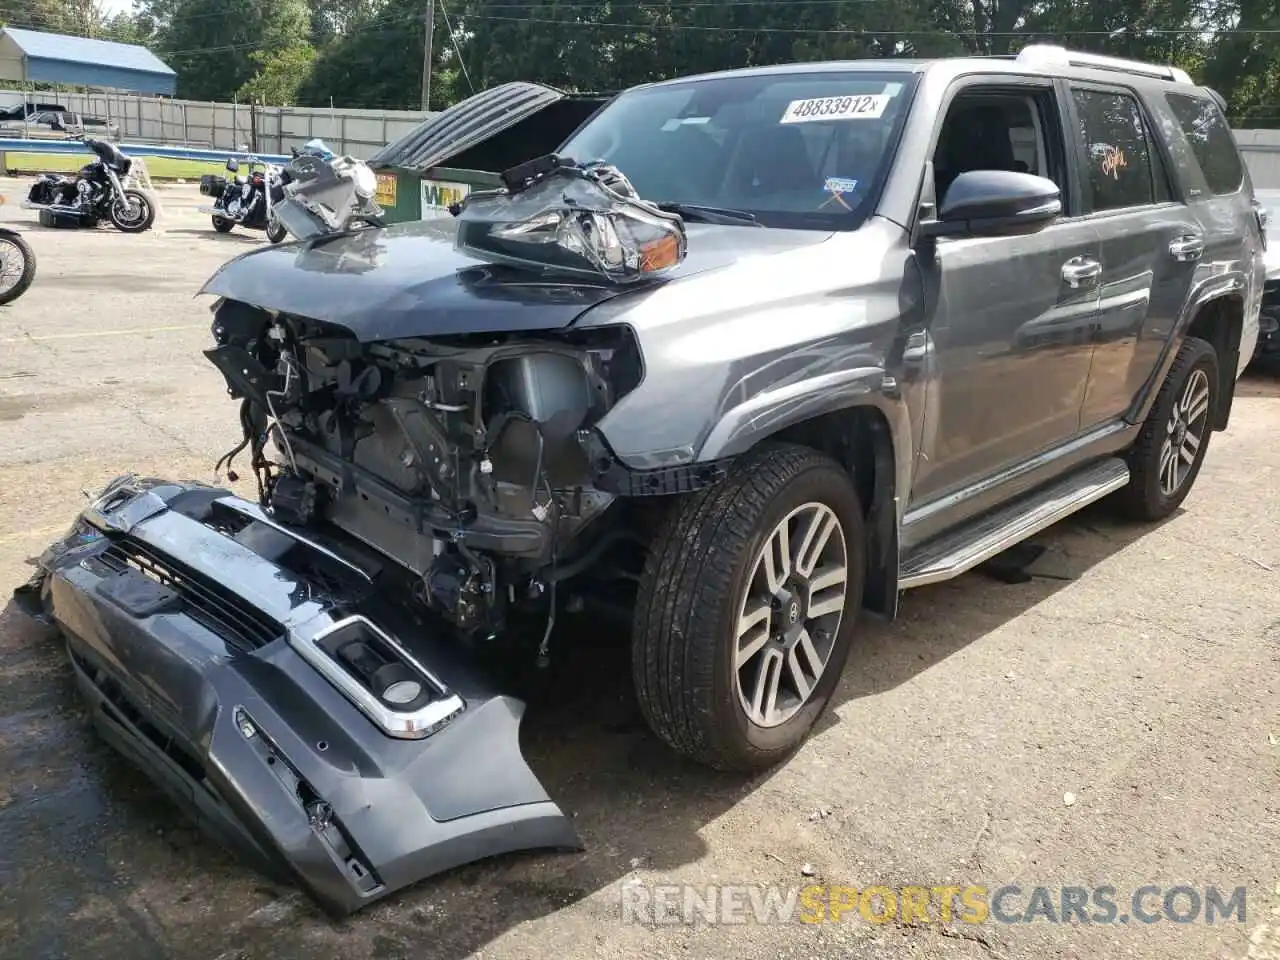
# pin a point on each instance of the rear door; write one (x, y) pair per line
(1150, 243)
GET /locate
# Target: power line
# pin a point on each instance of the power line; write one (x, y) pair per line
(860, 31)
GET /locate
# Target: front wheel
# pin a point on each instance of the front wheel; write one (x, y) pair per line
(222, 224)
(746, 608)
(132, 212)
(276, 231)
(17, 266)
(1166, 458)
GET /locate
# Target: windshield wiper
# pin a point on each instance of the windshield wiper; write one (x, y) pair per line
(703, 214)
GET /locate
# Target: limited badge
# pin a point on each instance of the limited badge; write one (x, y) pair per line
(863, 107)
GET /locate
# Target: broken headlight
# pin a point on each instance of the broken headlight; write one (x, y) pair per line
(582, 220)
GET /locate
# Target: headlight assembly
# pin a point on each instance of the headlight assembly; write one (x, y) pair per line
(581, 220)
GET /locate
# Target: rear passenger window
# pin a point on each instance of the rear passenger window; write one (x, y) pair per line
(1119, 168)
(1210, 139)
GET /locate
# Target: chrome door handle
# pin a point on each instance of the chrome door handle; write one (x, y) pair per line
(1187, 248)
(1077, 270)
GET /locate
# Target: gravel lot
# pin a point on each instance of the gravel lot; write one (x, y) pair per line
(1142, 680)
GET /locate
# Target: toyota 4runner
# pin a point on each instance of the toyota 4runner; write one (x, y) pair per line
(840, 330)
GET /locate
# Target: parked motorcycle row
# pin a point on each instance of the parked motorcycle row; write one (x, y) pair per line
(317, 192)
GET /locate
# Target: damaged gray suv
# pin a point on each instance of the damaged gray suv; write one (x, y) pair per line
(750, 354)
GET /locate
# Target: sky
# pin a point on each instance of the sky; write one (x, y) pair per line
(112, 7)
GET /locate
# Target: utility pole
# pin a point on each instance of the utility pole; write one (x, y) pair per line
(426, 56)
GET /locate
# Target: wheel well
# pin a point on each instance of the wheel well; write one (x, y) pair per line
(860, 439)
(1220, 322)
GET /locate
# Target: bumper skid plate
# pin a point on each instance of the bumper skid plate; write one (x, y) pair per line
(240, 664)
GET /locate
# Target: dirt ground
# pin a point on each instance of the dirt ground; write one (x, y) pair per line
(1115, 723)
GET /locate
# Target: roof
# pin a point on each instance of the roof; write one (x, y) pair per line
(34, 57)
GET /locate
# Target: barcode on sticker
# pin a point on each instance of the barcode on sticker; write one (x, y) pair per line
(863, 107)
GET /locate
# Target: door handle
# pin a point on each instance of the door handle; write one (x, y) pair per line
(1078, 270)
(1187, 248)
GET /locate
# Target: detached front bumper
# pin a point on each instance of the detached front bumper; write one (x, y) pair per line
(231, 659)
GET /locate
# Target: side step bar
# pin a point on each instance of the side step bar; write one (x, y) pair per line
(961, 550)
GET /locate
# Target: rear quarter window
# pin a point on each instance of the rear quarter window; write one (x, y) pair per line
(1210, 139)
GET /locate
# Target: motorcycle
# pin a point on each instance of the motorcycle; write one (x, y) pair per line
(97, 192)
(17, 264)
(246, 199)
(325, 193)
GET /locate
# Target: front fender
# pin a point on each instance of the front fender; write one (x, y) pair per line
(772, 411)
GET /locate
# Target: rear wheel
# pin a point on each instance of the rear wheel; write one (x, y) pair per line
(132, 212)
(746, 609)
(17, 266)
(222, 224)
(1166, 459)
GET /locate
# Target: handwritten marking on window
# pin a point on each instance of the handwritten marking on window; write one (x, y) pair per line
(1113, 161)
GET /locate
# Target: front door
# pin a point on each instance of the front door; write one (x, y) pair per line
(1012, 318)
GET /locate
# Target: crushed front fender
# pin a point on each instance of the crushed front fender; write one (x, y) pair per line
(325, 736)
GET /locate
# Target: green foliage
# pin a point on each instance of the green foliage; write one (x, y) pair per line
(281, 74)
(368, 53)
(217, 46)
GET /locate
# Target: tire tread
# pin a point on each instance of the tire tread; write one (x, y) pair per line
(686, 587)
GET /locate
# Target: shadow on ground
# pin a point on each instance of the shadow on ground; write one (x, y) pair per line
(232, 236)
(98, 864)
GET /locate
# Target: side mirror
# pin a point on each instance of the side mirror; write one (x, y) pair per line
(233, 165)
(294, 151)
(995, 203)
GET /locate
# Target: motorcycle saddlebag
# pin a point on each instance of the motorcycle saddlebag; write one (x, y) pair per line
(212, 185)
(325, 736)
(65, 219)
(42, 192)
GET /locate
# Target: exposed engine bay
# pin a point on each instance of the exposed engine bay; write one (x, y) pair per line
(470, 461)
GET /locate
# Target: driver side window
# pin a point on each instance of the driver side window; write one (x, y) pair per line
(1000, 129)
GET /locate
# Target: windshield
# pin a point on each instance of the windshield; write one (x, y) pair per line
(803, 150)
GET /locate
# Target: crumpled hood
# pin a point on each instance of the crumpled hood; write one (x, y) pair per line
(409, 280)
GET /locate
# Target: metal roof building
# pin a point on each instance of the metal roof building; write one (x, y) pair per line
(29, 56)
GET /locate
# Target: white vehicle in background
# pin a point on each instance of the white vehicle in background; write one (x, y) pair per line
(1268, 348)
(57, 125)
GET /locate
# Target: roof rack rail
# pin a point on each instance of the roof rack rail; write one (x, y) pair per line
(1049, 55)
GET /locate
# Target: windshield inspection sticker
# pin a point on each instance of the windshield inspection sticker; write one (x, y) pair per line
(865, 107)
(838, 187)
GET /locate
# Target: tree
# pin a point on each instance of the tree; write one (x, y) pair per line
(212, 43)
(281, 74)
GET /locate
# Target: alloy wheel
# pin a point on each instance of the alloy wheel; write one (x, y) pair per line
(1184, 433)
(790, 617)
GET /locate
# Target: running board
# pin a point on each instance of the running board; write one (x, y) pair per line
(961, 550)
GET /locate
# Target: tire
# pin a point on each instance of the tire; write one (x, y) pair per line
(28, 266)
(144, 221)
(222, 224)
(702, 570)
(1153, 492)
(276, 231)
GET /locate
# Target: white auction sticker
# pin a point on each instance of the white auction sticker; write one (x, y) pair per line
(861, 107)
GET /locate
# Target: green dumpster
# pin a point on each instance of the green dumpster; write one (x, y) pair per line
(466, 147)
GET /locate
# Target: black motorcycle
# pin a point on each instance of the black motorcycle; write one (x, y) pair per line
(17, 264)
(96, 193)
(246, 199)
